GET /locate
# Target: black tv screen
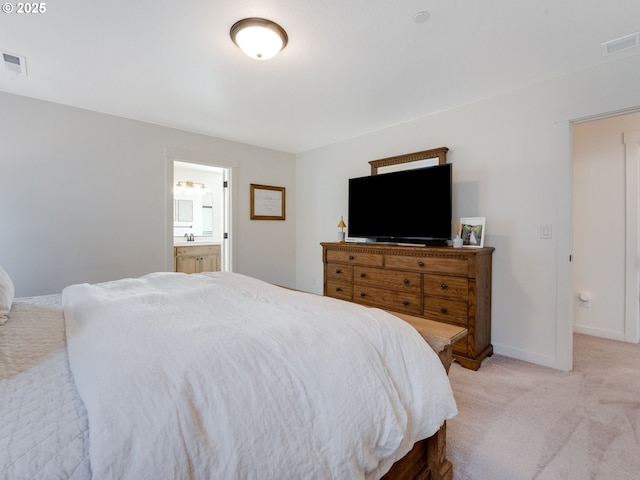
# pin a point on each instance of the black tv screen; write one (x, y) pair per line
(412, 206)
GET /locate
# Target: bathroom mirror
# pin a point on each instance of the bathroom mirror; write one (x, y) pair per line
(183, 210)
(193, 215)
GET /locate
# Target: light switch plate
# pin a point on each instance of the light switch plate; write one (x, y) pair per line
(546, 232)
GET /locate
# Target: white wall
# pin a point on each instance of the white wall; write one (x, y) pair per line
(599, 223)
(51, 155)
(512, 164)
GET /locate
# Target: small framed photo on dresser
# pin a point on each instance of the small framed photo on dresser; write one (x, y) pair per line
(472, 231)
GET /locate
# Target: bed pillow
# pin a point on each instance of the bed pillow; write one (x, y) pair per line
(7, 292)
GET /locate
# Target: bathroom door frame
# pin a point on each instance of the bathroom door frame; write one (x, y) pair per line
(180, 155)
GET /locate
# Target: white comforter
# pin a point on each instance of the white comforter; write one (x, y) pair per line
(222, 376)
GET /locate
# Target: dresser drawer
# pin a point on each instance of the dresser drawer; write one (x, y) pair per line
(455, 288)
(388, 299)
(445, 310)
(356, 258)
(339, 272)
(197, 250)
(336, 289)
(428, 264)
(391, 279)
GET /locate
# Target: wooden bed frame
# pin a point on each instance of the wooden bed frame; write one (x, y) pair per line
(426, 461)
(428, 458)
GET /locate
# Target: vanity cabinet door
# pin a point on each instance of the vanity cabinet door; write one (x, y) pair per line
(187, 263)
(208, 263)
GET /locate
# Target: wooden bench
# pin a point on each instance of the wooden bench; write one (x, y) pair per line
(440, 336)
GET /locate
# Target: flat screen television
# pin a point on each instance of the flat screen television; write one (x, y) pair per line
(409, 206)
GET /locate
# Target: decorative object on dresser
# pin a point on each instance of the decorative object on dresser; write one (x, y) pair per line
(444, 284)
(472, 231)
(457, 240)
(341, 226)
(197, 258)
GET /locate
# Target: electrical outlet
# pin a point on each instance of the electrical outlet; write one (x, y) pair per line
(584, 300)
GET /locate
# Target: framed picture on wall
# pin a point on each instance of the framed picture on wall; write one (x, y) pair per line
(472, 231)
(267, 203)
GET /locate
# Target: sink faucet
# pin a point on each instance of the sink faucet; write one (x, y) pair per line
(191, 238)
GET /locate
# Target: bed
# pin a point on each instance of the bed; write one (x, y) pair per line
(216, 375)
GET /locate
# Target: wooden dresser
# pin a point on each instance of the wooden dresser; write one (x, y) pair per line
(445, 284)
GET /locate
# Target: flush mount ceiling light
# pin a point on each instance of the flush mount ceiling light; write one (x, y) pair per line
(259, 38)
(421, 17)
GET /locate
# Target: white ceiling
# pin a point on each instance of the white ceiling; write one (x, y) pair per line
(351, 66)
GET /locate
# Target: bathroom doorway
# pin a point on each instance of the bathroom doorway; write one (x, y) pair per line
(201, 216)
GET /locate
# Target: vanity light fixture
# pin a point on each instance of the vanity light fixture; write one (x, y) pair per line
(189, 188)
(259, 38)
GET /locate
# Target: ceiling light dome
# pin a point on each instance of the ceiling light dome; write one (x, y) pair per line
(259, 38)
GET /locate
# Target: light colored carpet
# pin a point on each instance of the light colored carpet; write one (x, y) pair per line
(521, 421)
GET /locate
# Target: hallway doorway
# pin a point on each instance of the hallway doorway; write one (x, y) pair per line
(606, 186)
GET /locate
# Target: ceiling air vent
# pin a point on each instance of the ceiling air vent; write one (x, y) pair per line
(620, 44)
(14, 63)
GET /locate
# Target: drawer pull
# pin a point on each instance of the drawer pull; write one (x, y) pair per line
(338, 289)
(443, 286)
(362, 294)
(421, 264)
(338, 271)
(443, 310)
(406, 281)
(362, 275)
(351, 257)
(406, 303)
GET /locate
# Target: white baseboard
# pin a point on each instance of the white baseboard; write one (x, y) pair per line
(526, 356)
(597, 332)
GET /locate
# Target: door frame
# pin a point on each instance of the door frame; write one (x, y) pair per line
(181, 155)
(632, 194)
